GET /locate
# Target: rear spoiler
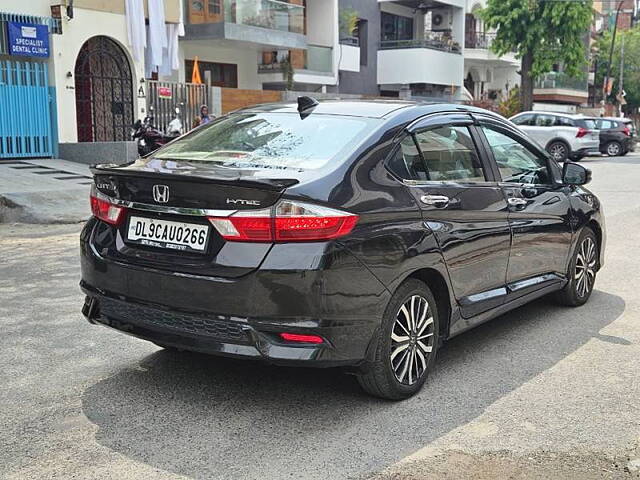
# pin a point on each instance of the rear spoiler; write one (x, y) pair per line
(276, 184)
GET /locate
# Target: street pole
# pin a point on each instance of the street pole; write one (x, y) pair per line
(621, 83)
(613, 42)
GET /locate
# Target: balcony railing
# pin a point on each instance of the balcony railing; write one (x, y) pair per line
(480, 40)
(347, 40)
(316, 59)
(435, 43)
(560, 80)
(271, 14)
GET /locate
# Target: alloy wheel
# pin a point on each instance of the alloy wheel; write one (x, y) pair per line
(412, 339)
(613, 149)
(585, 272)
(558, 151)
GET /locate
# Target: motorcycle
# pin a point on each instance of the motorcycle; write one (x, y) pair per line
(149, 137)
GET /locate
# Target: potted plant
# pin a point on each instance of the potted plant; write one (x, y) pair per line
(348, 24)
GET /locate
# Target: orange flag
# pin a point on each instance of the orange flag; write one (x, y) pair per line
(195, 76)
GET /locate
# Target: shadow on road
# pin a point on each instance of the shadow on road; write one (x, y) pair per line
(631, 159)
(208, 417)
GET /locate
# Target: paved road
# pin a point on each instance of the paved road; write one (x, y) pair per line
(541, 392)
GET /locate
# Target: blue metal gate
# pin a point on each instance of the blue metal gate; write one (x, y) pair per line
(26, 120)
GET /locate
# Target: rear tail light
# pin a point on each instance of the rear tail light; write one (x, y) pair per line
(297, 338)
(104, 210)
(582, 132)
(287, 222)
(626, 131)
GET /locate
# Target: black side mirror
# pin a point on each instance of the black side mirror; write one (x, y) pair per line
(574, 174)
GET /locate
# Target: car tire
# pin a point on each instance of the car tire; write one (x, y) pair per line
(405, 345)
(582, 271)
(614, 149)
(560, 151)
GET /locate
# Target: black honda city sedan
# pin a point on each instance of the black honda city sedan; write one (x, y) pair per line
(337, 233)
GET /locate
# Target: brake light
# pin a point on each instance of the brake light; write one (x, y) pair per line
(582, 132)
(288, 222)
(106, 211)
(294, 337)
(626, 131)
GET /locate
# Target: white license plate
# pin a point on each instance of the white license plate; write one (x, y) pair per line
(165, 234)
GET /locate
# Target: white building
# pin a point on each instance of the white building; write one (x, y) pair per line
(420, 50)
(92, 75)
(247, 43)
(486, 75)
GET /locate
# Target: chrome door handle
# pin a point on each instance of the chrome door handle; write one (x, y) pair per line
(435, 200)
(517, 202)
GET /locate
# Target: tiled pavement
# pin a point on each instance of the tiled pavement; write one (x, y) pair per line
(44, 191)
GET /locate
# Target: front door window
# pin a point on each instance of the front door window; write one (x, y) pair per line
(517, 164)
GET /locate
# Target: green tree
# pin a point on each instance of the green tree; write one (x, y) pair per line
(631, 72)
(510, 105)
(541, 32)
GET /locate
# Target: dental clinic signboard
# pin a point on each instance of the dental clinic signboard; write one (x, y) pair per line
(28, 39)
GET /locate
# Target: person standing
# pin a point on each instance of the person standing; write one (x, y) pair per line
(204, 117)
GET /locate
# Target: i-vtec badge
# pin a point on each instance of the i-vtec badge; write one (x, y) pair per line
(240, 201)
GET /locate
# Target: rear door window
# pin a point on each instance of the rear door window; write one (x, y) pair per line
(406, 161)
(564, 122)
(545, 120)
(450, 155)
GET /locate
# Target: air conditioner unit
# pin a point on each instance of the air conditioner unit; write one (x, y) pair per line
(441, 19)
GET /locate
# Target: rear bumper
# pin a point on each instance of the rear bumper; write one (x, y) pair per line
(218, 337)
(334, 297)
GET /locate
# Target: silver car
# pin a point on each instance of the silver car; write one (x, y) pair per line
(564, 136)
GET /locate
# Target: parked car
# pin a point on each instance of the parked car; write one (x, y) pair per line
(341, 233)
(563, 136)
(616, 136)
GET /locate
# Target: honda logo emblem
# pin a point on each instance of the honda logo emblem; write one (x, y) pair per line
(161, 193)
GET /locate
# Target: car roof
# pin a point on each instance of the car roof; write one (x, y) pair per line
(353, 108)
(366, 108)
(573, 116)
(614, 119)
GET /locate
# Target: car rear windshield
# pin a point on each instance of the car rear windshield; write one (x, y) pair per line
(271, 140)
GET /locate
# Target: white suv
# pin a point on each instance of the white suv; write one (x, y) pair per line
(564, 136)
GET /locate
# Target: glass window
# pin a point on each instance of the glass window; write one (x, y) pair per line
(222, 74)
(395, 27)
(526, 119)
(450, 155)
(271, 140)
(406, 161)
(587, 123)
(545, 120)
(517, 164)
(564, 122)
